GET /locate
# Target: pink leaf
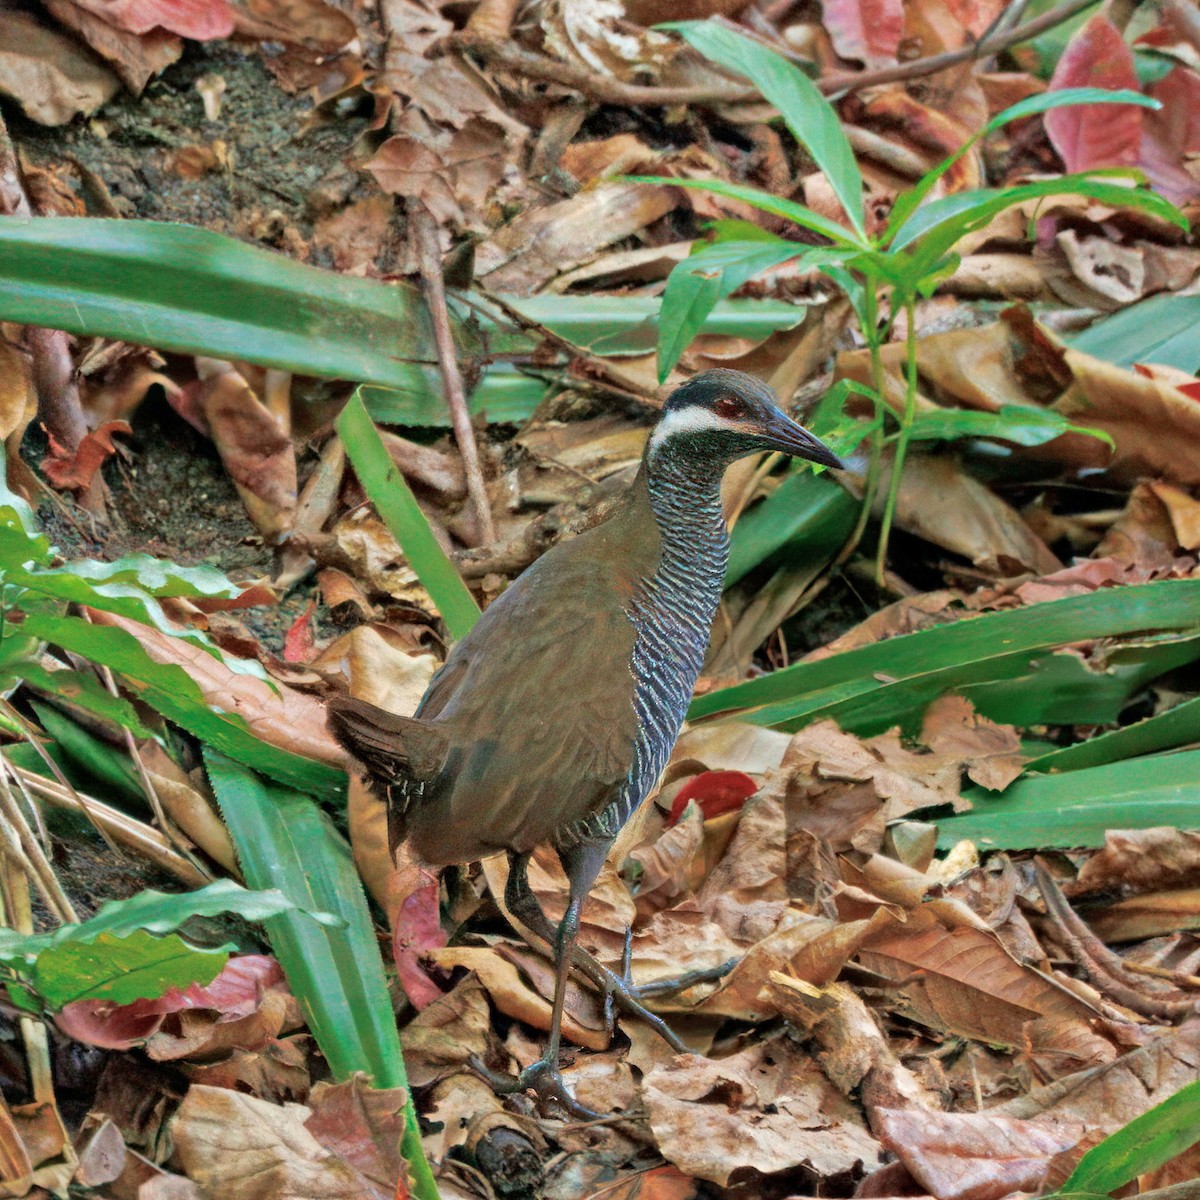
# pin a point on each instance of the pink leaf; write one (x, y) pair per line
(201, 20)
(869, 30)
(1096, 135)
(416, 928)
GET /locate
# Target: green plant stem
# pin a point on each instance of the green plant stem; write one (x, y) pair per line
(906, 424)
(870, 329)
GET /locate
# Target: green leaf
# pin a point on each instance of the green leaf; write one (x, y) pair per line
(776, 205)
(873, 686)
(117, 955)
(907, 202)
(1178, 726)
(808, 512)
(811, 118)
(97, 758)
(81, 688)
(1162, 330)
(1146, 1143)
(398, 507)
(707, 276)
(284, 841)
(1078, 807)
(172, 691)
(121, 970)
(1018, 423)
(186, 289)
(941, 223)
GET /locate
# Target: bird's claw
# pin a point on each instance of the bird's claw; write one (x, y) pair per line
(543, 1078)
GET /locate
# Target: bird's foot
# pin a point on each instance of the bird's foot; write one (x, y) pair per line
(620, 992)
(543, 1078)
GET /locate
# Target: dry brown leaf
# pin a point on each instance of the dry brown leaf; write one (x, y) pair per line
(973, 1156)
(276, 1072)
(439, 1040)
(278, 715)
(1140, 860)
(1152, 915)
(191, 809)
(235, 1145)
(363, 1126)
(255, 448)
(991, 753)
(136, 58)
(377, 667)
(764, 1110)
(667, 865)
(34, 1150)
(1105, 1098)
(48, 75)
(506, 984)
(539, 244)
(964, 980)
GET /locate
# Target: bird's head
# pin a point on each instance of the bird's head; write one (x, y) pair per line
(727, 415)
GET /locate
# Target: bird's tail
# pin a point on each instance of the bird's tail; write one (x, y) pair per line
(400, 754)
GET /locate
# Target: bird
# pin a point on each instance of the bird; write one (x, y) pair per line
(552, 719)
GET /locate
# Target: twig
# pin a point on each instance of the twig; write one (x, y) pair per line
(607, 90)
(134, 834)
(29, 851)
(18, 914)
(1104, 968)
(422, 230)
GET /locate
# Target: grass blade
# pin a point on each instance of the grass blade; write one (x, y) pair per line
(809, 116)
(1077, 808)
(180, 288)
(398, 507)
(1146, 1143)
(970, 650)
(1159, 330)
(336, 974)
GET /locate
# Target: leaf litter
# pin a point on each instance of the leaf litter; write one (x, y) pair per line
(897, 1023)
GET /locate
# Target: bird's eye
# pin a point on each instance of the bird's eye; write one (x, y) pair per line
(729, 408)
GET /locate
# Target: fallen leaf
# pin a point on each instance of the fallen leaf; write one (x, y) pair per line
(199, 20)
(363, 1126)
(48, 75)
(868, 31)
(973, 1156)
(756, 1113)
(236, 1145)
(75, 469)
(991, 753)
(136, 58)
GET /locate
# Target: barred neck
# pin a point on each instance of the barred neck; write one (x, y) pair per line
(685, 497)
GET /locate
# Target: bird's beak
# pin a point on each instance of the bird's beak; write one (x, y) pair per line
(785, 435)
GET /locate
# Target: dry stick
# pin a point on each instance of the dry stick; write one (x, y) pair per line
(1098, 962)
(40, 870)
(423, 231)
(118, 826)
(615, 91)
(18, 914)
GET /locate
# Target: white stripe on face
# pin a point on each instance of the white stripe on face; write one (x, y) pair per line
(692, 419)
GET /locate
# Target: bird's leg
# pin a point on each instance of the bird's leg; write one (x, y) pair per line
(582, 864)
(617, 989)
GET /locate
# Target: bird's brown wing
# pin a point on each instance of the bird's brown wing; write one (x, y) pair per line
(537, 702)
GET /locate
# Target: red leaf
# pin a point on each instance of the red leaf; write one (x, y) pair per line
(1096, 135)
(76, 470)
(416, 927)
(715, 791)
(869, 30)
(298, 641)
(235, 993)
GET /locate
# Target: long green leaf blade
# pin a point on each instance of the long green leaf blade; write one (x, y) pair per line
(284, 841)
(809, 116)
(398, 507)
(180, 288)
(1077, 808)
(965, 646)
(1146, 1143)
(1162, 329)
